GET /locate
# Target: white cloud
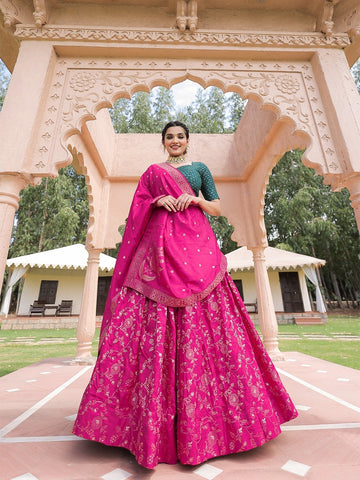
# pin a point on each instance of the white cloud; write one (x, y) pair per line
(185, 92)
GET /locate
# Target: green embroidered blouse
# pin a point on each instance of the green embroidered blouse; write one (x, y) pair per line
(200, 179)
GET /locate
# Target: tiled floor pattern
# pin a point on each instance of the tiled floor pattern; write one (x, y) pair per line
(38, 406)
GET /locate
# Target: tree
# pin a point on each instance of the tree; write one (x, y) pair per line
(208, 113)
(140, 120)
(4, 81)
(223, 231)
(163, 107)
(356, 73)
(120, 115)
(303, 214)
(236, 106)
(51, 215)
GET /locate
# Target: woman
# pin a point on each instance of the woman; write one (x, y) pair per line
(181, 373)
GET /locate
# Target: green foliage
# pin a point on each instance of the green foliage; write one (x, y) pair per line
(4, 81)
(51, 215)
(144, 113)
(343, 352)
(223, 231)
(211, 112)
(163, 108)
(120, 115)
(301, 213)
(304, 215)
(208, 114)
(356, 73)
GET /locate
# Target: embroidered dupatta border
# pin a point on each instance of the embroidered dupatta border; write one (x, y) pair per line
(155, 294)
(178, 177)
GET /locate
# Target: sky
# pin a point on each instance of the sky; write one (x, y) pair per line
(185, 92)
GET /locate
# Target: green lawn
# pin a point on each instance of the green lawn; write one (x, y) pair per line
(343, 352)
(13, 357)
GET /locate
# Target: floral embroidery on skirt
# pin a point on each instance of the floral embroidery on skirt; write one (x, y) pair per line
(183, 383)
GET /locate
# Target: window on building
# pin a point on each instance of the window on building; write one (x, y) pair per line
(48, 289)
(239, 286)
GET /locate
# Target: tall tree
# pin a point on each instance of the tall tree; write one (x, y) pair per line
(304, 215)
(356, 73)
(235, 106)
(4, 81)
(140, 120)
(163, 106)
(120, 115)
(207, 114)
(51, 215)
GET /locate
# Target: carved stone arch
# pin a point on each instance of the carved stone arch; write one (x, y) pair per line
(81, 168)
(80, 88)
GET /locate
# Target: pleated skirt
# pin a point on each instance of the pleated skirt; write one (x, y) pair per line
(183, 383)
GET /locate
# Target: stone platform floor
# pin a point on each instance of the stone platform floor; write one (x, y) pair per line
(38, 404)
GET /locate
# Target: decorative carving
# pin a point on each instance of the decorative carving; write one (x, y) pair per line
(80, 160)
(78, 91)
(181, 9)
(40, 165)
(40, 13)
(192, 20)
(287, 83)
(169, 37)
(186, 15)
(354, 33)
(325, 20)
(14, 13)
(82, 81)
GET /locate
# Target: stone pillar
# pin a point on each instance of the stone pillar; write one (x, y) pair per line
(353, 185)
(268, 322)
(87, 319)
(23, 104)
(342, 107)
(10, 186)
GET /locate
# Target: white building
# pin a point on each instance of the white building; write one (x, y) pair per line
(59, 274)
(53, 276)
(287, 272)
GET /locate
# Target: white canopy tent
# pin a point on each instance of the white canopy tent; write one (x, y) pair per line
(277, 259)
(73, 257)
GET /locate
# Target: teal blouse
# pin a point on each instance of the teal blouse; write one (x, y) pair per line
(200, 179)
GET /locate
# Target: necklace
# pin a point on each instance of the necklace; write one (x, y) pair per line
(176, 160)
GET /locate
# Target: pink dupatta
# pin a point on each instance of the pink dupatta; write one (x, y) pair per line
(170, 257)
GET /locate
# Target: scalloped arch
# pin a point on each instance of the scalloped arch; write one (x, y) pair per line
(80, 89)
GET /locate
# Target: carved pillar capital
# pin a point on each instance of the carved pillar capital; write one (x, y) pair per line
(354, 33)
(325, 20)
(10, 186)
(186, 15)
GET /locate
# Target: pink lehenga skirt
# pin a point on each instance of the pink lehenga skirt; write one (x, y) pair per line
(183, 384)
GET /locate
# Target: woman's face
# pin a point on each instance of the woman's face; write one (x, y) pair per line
(175, 141)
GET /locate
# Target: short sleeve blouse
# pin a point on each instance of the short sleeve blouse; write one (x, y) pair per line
(200, 179)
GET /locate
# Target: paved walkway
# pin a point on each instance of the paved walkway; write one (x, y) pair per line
(38, 404)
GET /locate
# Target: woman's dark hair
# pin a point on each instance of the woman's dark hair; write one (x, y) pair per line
(175, 123)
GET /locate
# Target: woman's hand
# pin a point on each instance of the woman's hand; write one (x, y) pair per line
(168, 202)
(185, 200)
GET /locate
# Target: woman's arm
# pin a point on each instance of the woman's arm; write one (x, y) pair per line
(212, 207)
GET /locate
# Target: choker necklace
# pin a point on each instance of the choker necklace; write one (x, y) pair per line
(176, 160)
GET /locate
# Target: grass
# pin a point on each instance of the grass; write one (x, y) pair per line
(336, 351)
(15, 356)
(344, 352)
